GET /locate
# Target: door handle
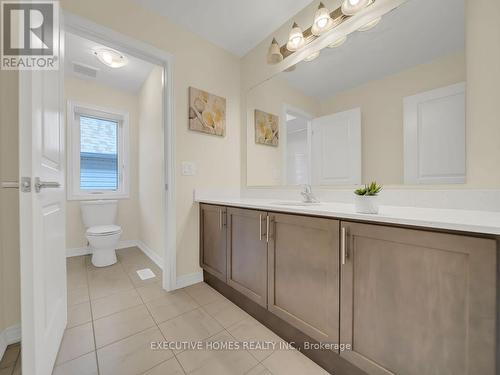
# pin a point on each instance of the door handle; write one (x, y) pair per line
(343, 254)
(39, 185)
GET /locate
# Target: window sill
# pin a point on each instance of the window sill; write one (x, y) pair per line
(96, 197)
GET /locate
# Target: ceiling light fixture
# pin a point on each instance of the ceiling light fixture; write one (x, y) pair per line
(322, 21)
(351, 7)
(370, 25)
(312, 56)
(338, 42)
(295, 39)
(110, 57)
(274, 55)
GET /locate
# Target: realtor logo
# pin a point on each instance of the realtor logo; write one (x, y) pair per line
(30, 35)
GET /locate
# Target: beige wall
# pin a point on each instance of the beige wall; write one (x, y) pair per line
(381, 104)
(90, 92)
(10, 294)
(482, 57)
(197, 63)
(151, 205)
(264, 167)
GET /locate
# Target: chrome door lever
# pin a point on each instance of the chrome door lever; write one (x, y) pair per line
(39, 185)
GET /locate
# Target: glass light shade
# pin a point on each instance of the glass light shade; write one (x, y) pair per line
(370, 25)
(296, 39)
(351, 7)
(274, 55)
(110, 57)
(338, 42)
(322, 21)
(312, 56)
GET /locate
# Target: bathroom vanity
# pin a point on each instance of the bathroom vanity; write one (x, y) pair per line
(405, 298)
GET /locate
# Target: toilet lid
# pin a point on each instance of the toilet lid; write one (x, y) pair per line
(102, 230)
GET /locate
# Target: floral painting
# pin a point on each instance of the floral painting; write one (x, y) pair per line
(266, 128)
(207, 112)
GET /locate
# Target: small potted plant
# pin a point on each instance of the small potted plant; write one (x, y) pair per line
(366, 198)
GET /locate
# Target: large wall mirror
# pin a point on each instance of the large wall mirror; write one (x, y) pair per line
(388, 105)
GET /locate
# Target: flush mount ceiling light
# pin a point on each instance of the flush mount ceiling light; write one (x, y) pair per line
(295, 39)
(338, 42)
(370, 25)
(274, 55)
(312, 56)
(322, 21)
(351, 7)
(110, 57)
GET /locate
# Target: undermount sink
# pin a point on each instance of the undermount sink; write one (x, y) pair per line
(300, 204)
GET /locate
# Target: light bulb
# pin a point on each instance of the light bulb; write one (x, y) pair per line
(296, 38)
(106, 56)
(322, 21)
(351, 7)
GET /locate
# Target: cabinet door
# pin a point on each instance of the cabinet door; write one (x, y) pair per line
(247, 253)
(304, 274)
(213, 240)
(416, 302)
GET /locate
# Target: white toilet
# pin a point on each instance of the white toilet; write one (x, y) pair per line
(99, 217)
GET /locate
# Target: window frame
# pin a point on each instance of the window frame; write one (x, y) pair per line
(75, 110)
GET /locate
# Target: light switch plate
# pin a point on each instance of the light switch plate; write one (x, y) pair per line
(188, 168)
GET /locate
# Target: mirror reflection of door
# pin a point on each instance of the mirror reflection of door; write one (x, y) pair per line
(297, 147)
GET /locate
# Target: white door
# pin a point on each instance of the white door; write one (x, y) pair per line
(42, 224)
(336, 148)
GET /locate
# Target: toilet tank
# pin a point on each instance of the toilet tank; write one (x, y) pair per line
(101, 212)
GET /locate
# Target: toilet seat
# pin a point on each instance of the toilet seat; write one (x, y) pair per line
(103, 230)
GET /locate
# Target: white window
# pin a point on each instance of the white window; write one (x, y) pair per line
(97, 153)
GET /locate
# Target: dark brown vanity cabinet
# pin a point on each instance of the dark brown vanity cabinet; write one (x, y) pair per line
(404, 301)
(213, 235)
(416, 302)
(247, 253)
(304, 274)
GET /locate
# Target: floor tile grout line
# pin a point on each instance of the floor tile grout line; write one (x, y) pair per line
(92, 317)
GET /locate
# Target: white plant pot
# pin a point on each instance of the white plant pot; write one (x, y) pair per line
(366, 204)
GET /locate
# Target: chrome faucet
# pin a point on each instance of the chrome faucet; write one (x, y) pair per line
(308, 195)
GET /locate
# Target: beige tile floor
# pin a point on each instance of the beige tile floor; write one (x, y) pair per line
(113, 317)
(10, 363)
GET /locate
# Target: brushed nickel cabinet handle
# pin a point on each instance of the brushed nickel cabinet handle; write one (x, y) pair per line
(343, 255)
(260, 227)
(267, 228)
(220, 218)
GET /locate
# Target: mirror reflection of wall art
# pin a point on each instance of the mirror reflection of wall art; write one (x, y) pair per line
(207, 112)
(266, 128)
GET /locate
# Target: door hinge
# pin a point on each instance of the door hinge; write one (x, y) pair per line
(26, 184)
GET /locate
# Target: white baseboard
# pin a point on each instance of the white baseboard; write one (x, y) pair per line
(182, 281)
(150, 253)
(79, 251)
(9, 336)
(189, 279)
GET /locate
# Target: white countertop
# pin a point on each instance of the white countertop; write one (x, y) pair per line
(483, 222)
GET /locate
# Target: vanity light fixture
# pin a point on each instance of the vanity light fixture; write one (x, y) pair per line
(338, 42)
(312, 56)
(274, 55)
(351, 7)
(111, 58)
(370, 25)
(322, 21)
(295, 39)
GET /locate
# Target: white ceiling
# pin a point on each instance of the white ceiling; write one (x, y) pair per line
(128, 78)
(417, 32)
(235, 25)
